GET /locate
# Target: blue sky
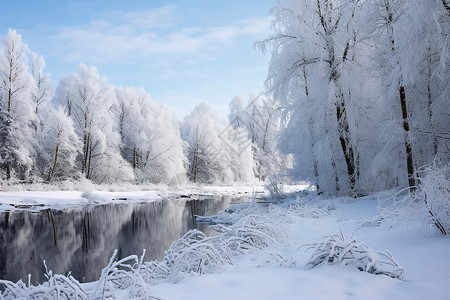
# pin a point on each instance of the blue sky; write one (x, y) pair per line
(181, 52)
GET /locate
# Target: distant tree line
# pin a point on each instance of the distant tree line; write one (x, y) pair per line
(357, 101)
(107, 134)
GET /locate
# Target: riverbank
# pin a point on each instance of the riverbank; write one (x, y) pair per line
(266, 250)
(41, 200)
(281, 271)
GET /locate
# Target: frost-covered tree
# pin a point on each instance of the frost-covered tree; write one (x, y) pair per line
(17, 150)
(151, 140)
(41, 82)
(241, 153)
(389, 12)
(411, 57)
(313, 45)
(427, 78)
(206, 147)
(60, 144)
(363, 87)
(259, 121)
(89, 102)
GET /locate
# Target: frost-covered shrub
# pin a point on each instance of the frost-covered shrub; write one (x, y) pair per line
(194, 253)
(306, 211)
(117, 274)
(338, 250)
(57, 287)
(123, 274)
(252, 231)
(434, 191)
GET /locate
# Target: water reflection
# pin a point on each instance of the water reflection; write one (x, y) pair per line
(82, 240)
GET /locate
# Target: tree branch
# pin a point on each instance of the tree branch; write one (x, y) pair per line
(447, 7)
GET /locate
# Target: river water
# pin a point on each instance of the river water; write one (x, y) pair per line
(82, 240)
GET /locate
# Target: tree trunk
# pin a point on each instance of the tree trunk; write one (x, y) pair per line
(408, 148)
(344, 138)
(35, 125)
(8, 172)
(336, 176)
(55, 161)
(83, 164)
(447, 7)
(310, 129)
(430, 110)
(195, 164)
(134, 158)
(88, 173)
(10, 83)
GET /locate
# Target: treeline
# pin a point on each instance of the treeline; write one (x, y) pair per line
(107, 134)
(364, 90)
(361, 104)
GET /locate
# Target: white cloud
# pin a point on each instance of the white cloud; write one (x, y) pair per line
(149, 33)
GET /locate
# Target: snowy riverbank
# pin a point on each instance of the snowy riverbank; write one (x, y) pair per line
(39, 200)
(279, 272)
(262, 255)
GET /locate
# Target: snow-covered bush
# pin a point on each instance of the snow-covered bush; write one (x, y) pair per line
(306, 211)
(434, 191)
(252, 231)
(194, 253)
(338, 250)
(123, 274)
(57, 287)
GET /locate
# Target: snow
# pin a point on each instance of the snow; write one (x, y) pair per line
(258, 274)
(278, 270)
(38, 200)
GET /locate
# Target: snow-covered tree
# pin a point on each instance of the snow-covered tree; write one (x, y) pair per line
(89, 102)
(206, 148)
(151, 140)
(389, 13)
(411, 58)
(259, 121)
(427, 77)
(363, 87)
(60, 144)
(313, 44)
(41, 87)
(17, 150)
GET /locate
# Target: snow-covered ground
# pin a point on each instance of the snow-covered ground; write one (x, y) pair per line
(278, 271)
(275, 265)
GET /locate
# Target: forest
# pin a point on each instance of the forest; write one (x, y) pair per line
(356, 101)
(344, 152)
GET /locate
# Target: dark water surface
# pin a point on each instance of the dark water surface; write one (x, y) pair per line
(82, 240)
